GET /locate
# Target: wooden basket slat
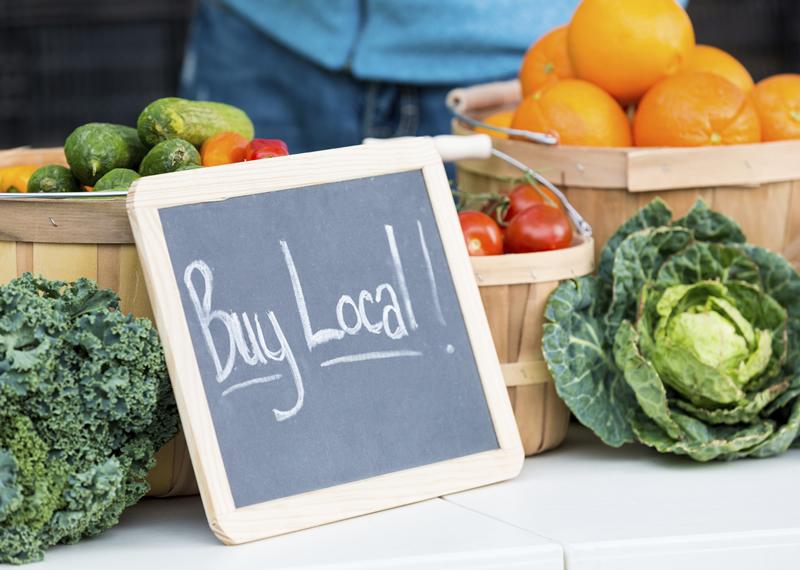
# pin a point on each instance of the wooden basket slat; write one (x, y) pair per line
(497, 297)
(108, 273)
(531, 340)
(65, 261)
(8, 261)
(791, 239)
(761, 211)
(517, 297)
(132, 289)
(24, 257)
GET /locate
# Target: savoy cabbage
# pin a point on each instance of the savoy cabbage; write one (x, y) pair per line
(687, 339)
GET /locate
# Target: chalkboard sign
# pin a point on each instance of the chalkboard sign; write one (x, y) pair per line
(324, 336)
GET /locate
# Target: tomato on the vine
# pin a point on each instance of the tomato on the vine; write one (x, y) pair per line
(482, 234)
(524, 196)
(539, 228)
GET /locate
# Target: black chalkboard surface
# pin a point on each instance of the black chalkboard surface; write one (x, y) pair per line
(328, 334)
(365, 366)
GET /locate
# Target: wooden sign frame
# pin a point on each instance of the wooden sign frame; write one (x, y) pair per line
(237, 525)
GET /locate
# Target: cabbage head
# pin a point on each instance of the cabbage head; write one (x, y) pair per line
(687, 339)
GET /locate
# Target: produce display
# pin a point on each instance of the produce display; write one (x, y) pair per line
(687, 339)
(628, 73)
(526, 220)
(172, 134)
(85, 402)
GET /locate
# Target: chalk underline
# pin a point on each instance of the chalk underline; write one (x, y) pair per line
(252, 382)
(332, 362)
(370, 356)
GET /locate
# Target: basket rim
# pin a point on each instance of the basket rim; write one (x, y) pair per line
(643, 169)
(574, 261)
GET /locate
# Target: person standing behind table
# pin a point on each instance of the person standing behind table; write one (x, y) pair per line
(328, 73)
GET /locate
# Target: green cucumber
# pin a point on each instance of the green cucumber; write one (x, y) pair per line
(95, 149)
(117, 179)
(169, 156)
(193, 121)
(53, 178)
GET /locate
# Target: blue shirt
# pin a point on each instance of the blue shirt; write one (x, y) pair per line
(409, 41)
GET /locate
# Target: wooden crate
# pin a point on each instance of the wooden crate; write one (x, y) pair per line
(514, 290)
(68, 239)
(756, 184)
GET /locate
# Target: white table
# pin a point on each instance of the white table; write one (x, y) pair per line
(581, 507)
(172, 534)
(633, 509)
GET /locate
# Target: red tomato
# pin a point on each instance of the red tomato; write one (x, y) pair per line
(223, 148)
(266, 148)
(523, 197)
(539, 228)
(481, 233)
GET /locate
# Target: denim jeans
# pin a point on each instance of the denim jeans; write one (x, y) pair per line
(290, 97)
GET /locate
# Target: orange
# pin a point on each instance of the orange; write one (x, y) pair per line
(695, 109)
(626, 46)
(777, 101)
(545, 61)
(577, 112)
(497, 120)
(714, 60)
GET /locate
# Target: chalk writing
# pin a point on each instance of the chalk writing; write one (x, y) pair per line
(375, 312)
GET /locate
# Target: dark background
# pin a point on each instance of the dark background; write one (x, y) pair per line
(68, 62)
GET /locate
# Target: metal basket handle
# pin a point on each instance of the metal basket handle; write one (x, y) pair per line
(499, 94)
(453, 147)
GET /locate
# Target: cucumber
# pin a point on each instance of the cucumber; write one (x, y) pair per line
(193, 121)
(53, 178)
(117, 179)
(169, 156)
(95, 149)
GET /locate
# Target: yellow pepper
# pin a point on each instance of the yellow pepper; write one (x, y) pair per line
(15, 178)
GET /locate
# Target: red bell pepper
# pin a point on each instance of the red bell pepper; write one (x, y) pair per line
(265, 148)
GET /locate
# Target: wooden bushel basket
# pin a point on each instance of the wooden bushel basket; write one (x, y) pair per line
(68, 239)
(514, 289)
(756, 184)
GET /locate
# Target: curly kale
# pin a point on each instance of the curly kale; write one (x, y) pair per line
(85, 403)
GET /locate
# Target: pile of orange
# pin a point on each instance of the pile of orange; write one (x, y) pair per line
(628, 72)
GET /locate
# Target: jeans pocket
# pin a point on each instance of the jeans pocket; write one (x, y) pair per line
(390, 110)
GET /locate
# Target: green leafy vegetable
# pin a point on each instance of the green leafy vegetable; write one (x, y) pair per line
(687, 339)
(85, 403)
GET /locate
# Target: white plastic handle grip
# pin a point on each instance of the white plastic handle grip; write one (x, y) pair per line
(455, 147)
